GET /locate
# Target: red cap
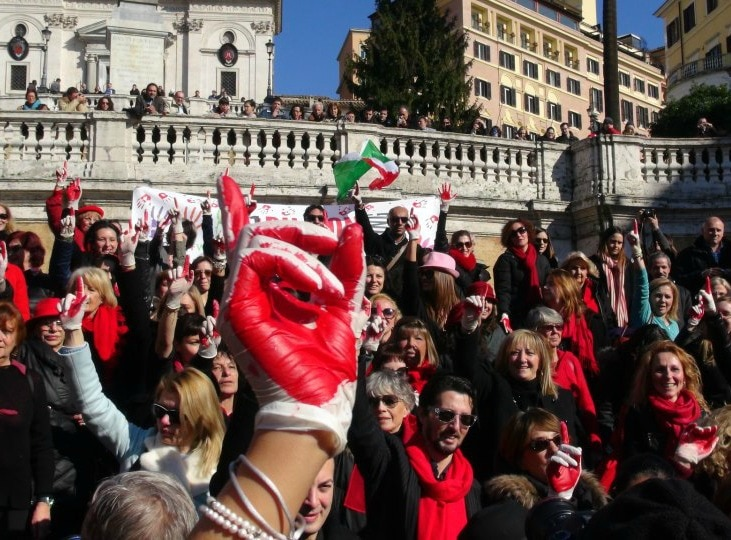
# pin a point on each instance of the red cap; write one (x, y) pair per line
(90, 208)
(482, 288)
(48, 307)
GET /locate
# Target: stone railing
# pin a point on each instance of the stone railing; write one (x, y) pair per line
(575, 190)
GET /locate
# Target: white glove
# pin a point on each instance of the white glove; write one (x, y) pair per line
(206, 204)
(355, 196)
(564, 468)
(72, 307)
(181, 279)
(127, 247)
(473, 306)
(708, 303)
(634, 240)
(413, 228)
(373, 332)
(68, 224)
(208, 347)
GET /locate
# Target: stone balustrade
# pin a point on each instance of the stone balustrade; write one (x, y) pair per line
(573, 190)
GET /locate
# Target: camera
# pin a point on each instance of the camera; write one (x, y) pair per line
(647, 213)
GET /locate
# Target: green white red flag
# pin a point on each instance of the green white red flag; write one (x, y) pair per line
(354, 165)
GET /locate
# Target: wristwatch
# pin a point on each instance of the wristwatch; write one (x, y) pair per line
(46, 499)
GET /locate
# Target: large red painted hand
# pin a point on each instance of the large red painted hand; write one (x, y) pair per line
(73, 193)
(564, 467)
(234, 214)
(695, 444)
(299, 357)
(181, 280)
(61, 175)
(446, 196)
(71, 309)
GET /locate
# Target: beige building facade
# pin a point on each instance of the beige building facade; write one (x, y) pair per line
(536, 65)
(186, 45)
(697, 43)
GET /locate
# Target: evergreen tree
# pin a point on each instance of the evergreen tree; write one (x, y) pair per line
(415, 56)
(680, 117)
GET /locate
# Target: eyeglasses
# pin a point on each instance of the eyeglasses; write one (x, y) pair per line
(445, 416)
(388, 312)
(389, 401)
(201, 273)
(159, 412)
(541, 240)
(460, 245)
(551, 328)
(517, 232)
(50, 323)
(539, 445)
(315, 218)
(398, 219)
(4, 216)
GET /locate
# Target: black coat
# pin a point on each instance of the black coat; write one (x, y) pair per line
(602, 292)
(690, 264)
(511, 284)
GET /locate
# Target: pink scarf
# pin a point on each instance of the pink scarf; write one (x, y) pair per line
(615, 284)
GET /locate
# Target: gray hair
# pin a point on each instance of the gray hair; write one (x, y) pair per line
(542, 315)
(139, 505)
(387, 382)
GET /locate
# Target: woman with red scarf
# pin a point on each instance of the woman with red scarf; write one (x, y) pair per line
(414, 340)
(665, 405)
(519, 274)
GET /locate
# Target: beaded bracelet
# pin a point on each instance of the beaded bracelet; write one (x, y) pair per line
(229, 521)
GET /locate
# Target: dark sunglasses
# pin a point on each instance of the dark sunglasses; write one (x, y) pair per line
(516, 232)
(445, 416)
(314, 218)
(388, 313)
(460, 245)
(541, 240)
(539, 445)
(388, 401)
(552, 327)
(4, 216)
(159, 412)
(200, 273)
(398, 219)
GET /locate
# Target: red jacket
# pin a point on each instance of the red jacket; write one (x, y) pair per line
(15, 277)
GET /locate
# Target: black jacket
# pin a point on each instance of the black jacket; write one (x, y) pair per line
(690, 264)
(511, 283)
(466, 277)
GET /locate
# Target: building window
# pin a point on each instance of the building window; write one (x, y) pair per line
(596, 99)
(711, 5)
(509, 131)
(627, 113)
(21, 30)
(655, 116)
(228, 37)
(554, 111)
(532, 104)
(18, 77)
(573, 86)
(530, 69)
(713, 59)
(479, 20)
(483, 89)
(624, 79)
(482, 51)
(639, 85)
(574, 120)
(228, 81)
(643, 116)
(507, 61)
(653, 91)
(553, 78)
(592, 66)
(672, 32)
(507, 96)
(689, 18)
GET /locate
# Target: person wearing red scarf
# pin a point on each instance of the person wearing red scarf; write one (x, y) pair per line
(418, 484)
(519, 274)
(666, 402)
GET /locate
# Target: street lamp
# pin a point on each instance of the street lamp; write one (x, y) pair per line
(270, 52)
(593, 119)
(46, 33)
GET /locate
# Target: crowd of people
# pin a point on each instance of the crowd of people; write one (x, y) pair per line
(367, 385)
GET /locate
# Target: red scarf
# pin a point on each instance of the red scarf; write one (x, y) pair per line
(105, 330)
(527, 259)
(442, 508)
(355, 494)
(468, 262)
(581, 340)
(420, 375)
(587, 293)
(673, 417)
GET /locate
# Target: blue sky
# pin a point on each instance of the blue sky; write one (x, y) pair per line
(305, 60)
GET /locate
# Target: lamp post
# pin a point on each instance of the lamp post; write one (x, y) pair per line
(46, 33)
(270, 52)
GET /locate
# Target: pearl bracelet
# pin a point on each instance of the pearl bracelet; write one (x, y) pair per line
(229, 521)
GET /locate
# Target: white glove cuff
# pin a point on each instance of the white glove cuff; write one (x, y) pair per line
(686, 453)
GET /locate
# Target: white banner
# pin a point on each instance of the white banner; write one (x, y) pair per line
(157, 203)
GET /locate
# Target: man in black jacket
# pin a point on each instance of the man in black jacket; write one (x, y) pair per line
(710, 255)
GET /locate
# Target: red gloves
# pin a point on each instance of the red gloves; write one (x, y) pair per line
(505, 322)
(695, 444)
(564, 467)
(446, 196)
(72, 307)
(300, 358)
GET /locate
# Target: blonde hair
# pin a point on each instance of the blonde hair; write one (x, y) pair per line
(96, 278)
(655, 284)
(441, 299)
(568, 291)
(10, 225)
(642, 385)
(516, 434)
(200, 414)
(717, 465)
(576, 256)
(383, 296)
(535, 342)
(412, 324)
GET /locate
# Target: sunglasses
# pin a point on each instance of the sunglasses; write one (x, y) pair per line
(159, 412)
(539, 445)
(517, 232)
(541, 240)
(389, 401)
(460, 245)
(50, 322)
(314, 218)
(398, 219)
(551, 328)
(201, 273)
(4, 216)
(445, 416)
(388, 313)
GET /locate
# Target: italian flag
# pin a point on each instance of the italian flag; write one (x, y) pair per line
(353, 166)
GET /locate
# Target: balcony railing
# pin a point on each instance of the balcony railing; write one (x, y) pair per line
(699, 67)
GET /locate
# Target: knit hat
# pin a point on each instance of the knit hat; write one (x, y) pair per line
(580, 256)
(659, 508)
(90, 208)
(482, 288)
(440, 261)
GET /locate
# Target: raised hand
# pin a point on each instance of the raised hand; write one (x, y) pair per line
(280, 340)
(175, 218)
(206, 206)
(446, 196)
(695, 444)
(505, 323)
(354, 195)
(234, 214)
(633, 238)
(61, 175)
(72, 307)
(564, 467)
(3, 261)
(143, 228)
(68, 225)
(181, 279)
(413, 227)
(473, 306)
(73, 193)
(249, 199)
(697, 311)
(373, 332)
(708, 302)
(127, 246)
(219, 253)
(207, 334)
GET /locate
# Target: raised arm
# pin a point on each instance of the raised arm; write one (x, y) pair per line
(640, 306)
